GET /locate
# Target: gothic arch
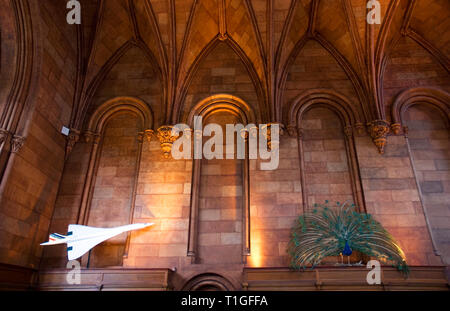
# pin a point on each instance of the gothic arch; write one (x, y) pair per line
(205, 108)
(413, 96)
(214, 103)
(437, 103)
(349, 118)
(93, 133)
(95, 83)
(263, 110)
(116, 105)
(208, 281)
(333, 100)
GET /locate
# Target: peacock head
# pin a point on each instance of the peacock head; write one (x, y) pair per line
(347, 251)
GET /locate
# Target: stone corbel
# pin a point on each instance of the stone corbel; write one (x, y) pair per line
(300, 133)
(268, 135)
(348, 131)
(149, 134)
(396, 128)
(140, 137)
(246, 133)
(72, 139)
(379, 129)
(17, 143)
(359, 127)
(166, 139)
(292, 130)
(90, 136)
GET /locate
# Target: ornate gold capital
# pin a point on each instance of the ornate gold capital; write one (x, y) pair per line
(379, 129)
(268, 135)
(166, 139)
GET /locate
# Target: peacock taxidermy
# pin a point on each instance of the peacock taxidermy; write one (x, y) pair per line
(340, 230)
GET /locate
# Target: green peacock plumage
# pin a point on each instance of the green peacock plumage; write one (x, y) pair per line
(339, 230)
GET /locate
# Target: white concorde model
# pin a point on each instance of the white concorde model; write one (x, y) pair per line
(81, 239)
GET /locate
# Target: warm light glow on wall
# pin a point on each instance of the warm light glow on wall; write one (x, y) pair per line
(255, 259)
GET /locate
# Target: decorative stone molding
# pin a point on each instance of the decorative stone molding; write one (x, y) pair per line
(72, 139)
(140, 137)
(292, 130)
(17, 143)
(166, 139)
(360, 129)
(149, 134)
(3, 135)
(253, 131)
(268, 135)
(348, 131)
(396, 128)
(379, 129)
(300, 133)
(405, 130)
(90, 136)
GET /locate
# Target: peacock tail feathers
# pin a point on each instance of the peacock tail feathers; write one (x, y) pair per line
(326, 231)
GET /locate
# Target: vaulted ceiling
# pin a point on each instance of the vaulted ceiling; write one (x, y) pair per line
(266, 34)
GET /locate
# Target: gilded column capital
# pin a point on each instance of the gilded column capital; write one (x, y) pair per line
(379, 129)
(268, 135)
(166, 139)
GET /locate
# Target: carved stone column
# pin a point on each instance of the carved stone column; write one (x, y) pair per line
(166, 139)
(246, 249)
(192, 250)
(94, 138)
(299, 132)
(379, 129)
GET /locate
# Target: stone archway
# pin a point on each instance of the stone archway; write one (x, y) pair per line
(208, 282)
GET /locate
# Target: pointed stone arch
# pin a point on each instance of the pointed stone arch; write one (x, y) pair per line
(263, 110)
(350, 120)
(413, 96)
(242, 111)
(96, 82)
